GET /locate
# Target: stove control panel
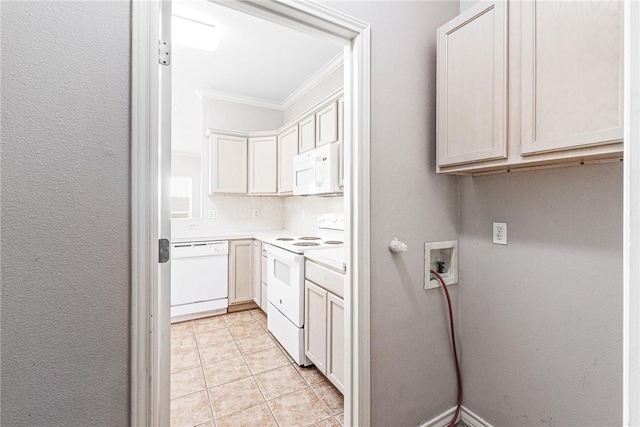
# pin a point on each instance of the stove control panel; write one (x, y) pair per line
(333, 221)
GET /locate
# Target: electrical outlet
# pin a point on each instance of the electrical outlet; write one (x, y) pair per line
(192, 225)
(256, 213)
(500, 233)
(213, 214)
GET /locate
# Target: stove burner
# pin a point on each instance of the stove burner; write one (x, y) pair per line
(306, 244)
(333, 242)
(308, 238)
(284, 239)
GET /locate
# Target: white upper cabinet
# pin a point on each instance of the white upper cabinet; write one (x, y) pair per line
(327, 124)
(572, 57)
(529, 84)
(287, 149)
(263, 165)
(341, 138)
(307, 129)
(472, 85)
(260, 163)
(227, 164)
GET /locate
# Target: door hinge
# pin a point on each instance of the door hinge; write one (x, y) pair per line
(164, 52)
(163, 251)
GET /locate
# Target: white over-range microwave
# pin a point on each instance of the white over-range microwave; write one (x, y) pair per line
(316, 172)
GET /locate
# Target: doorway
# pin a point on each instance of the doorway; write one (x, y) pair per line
(150, 325)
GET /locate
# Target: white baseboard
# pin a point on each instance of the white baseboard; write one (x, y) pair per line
(473, 420)
(467, 417)
(440, 420)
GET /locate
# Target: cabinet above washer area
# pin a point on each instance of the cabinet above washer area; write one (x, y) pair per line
(530, 84)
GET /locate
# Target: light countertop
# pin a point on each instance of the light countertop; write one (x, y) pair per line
(263, 235)
(330, 257)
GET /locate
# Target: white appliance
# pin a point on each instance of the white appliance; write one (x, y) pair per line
(317, 171)
(285, 281)
(199, 279)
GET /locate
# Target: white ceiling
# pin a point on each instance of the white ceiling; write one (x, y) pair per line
(255, 58)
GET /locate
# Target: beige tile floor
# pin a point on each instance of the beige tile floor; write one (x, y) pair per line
(229, 371)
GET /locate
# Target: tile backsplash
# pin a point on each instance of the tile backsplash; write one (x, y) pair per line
(301, 213)
(235, 214)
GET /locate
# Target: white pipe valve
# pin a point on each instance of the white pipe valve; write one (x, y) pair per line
(397, 246)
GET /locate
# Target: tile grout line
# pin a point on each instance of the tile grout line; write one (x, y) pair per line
(253, 376)
(204, 378)
(250, 373)
(323, 402)
(253, 319)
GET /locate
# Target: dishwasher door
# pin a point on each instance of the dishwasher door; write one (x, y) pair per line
(199, 278)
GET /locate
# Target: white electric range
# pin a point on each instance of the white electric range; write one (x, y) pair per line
(285, 281)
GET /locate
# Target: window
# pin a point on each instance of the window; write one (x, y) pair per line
(181, 197)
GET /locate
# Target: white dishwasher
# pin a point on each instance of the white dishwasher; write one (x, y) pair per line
(199, 279)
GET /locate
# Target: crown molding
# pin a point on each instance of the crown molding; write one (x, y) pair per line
(239, 99)
(324, 72)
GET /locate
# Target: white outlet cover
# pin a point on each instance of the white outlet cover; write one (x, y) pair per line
(213, 214)
(500, 233)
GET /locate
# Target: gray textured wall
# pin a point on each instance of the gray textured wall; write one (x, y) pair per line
(541, 318)
(412, 372)
(65, 213)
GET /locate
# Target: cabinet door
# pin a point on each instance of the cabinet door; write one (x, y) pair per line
(287, 149)
(227, 164)
(335, 341)
(472, 86)
(263, 165)
(240, 271)
(257, 272)
(264, 270)
(327, 124)
(263, 304)
(341, 139)
(315, 325)
(307, 129)
(572, 74)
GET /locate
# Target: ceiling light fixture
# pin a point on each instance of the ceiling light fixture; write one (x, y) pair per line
(187, 32)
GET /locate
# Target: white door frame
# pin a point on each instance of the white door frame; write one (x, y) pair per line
(631, 338)
(149, 335)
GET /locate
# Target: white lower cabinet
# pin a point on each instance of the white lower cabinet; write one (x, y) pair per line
(324, 321)
(335, 341)
(240, 271)
(263, 293)
(257, 272)
(315, 325)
